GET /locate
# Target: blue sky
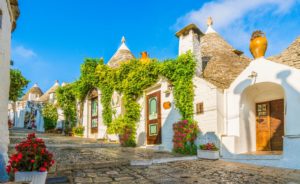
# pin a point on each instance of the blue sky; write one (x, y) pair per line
(54, 36)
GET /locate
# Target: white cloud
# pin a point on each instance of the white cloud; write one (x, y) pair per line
(226, 12)
(235, 20)
(21, 51)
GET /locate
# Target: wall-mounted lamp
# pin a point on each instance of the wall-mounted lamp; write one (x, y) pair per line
(253, 75)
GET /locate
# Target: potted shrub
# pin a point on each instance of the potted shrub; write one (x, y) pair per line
(208, 151)
(31, 161)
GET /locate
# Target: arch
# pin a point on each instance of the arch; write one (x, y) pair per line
(264, 95)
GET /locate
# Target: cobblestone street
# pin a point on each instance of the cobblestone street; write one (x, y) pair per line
(90, 161)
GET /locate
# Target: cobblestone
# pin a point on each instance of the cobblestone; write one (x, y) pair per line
(111, 165)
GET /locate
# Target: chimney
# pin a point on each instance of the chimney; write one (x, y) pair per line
(189, 40)
(144, 56)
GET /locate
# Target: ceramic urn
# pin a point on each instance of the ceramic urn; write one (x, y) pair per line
(258, 44)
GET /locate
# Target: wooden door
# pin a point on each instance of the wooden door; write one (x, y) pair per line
(277, 124)
(270, 125)
(262, 127)
(153, 113)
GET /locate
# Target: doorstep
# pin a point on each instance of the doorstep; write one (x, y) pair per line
(252, 157)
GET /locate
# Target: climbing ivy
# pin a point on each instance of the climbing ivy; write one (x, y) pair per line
(66, 100)
(50, 116)
(130, 80)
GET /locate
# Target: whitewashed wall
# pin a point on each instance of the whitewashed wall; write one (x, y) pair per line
(209, 122)
(267, 72)
(5, 41)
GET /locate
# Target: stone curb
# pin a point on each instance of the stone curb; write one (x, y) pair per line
(160, 160)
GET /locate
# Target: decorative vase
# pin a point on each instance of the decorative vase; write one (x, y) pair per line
(208, 154)
(35, 177)
(258, 44)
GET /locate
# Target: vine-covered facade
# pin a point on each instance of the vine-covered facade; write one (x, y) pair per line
(211, 94)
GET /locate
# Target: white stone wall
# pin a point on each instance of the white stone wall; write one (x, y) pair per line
(61, 118)
(209, 122)
(5, 41)
(5, 36)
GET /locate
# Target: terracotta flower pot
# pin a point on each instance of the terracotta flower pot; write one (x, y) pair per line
(258, 44)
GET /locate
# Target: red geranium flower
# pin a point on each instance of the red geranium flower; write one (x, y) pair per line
(32, 155)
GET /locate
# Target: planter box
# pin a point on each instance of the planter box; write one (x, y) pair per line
(34, 177)
(206, 154)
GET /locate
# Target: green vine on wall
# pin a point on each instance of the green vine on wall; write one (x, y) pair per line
(130, 80)
(50, 116)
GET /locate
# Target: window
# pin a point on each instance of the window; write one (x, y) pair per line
(0, 19)
(94, 115)
(94, 111)
(153, 108)
(199, 108)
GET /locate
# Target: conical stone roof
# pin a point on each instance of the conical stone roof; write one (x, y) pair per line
(34, 90)
(121, 55)
(46, 96)
(290, 56)
(221, 62)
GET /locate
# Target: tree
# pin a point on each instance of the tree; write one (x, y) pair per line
(17, 84)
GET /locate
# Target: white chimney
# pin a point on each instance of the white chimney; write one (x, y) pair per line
(189, 40)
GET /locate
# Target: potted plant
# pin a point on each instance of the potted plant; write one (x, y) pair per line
(208, 151)
(31, 161)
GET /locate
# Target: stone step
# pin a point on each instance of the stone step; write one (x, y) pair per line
(60, 179)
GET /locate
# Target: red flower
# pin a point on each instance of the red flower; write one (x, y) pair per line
(8, 169)
(27, 151)
(43, 169)
(43, 151)
(20, 155)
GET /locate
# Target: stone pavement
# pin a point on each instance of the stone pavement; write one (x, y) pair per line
(95, 161)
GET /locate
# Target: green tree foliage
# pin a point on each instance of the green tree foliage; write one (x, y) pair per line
(17, 84)
(50, 116)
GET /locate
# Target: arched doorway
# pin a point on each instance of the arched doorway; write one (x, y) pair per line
(93, 97)
(262, 117)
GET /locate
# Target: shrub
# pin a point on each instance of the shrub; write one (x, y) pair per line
(50, 116)
(185, 133)
(79, 130)
(32, 155)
